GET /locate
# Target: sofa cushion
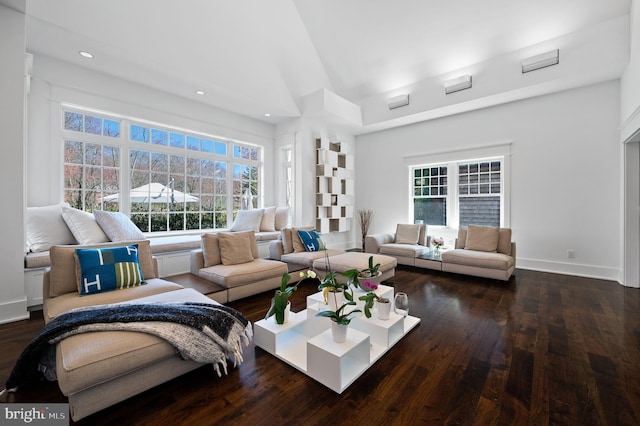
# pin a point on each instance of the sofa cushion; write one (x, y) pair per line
(462, 237)
(235, 248)
(310, 239)
(108, 269)
(267, 236)
(63, 265)
(482, 238)
(407, 233)
(504, 241)
(247, 220)
(306, 258)
(480, 259)
(238, 275)
(402, 250)
(117, 226)
(173, 243)
(287, 241)
(56, 305)
(46, 227)
(268, 222)
(211, 249)
(38, 259)
(83, 226)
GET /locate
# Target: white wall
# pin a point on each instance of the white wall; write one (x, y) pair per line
(565, 159)
(303, 133)
(13, 302)
(630, 172)
(55, 82)
(630, 81)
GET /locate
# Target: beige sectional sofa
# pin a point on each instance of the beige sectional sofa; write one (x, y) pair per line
(479, 251)
(96, 370)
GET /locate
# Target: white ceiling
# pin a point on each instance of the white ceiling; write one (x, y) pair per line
(254, 56)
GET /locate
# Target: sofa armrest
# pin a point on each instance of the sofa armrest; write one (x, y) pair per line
(513, 253)
(196, 260)
(154, 261)
(276, 249)
(373, 242)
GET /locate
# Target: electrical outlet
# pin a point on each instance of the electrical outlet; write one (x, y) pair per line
(571, 253)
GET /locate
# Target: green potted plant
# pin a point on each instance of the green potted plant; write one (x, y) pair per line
(358, 277)
(340, 320)
(334, 292)
(280, 301)
(384, 304)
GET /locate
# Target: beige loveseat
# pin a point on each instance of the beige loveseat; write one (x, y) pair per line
(98, 369)
(482, 251)
(231, 261)
(406, 244)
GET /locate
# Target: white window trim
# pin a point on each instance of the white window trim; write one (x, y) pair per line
(125, 145)
(460, 156)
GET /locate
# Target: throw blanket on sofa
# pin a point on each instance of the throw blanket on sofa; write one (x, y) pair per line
(202, 332)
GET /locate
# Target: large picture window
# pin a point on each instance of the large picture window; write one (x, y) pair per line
(165, 179)
(459, 192)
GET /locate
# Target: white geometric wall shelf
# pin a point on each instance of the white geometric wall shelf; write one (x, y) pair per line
(334, 187)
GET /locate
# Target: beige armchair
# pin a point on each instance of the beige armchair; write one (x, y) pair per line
(231, 260)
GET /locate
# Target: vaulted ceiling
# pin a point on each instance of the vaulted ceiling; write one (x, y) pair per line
(254, 56)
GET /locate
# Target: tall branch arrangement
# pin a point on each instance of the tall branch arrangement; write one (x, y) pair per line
(364, 217)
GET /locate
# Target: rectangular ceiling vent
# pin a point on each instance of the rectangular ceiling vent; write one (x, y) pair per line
(541, 61)
(398, 101)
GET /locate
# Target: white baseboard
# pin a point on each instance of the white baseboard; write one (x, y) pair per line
(580, 270)
(14, 310)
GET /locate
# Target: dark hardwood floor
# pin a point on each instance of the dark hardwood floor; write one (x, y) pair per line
(540, 349)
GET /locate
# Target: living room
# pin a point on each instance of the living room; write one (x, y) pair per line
(569, 132)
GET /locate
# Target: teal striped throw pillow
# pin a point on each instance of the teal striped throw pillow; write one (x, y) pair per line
(109, 268)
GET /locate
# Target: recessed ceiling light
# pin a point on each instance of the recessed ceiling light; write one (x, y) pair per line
(200, 92)
(86, 54)
(266, 114)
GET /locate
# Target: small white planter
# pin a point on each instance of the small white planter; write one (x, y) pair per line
(339, 332)
(384, 309)
(335, 299)
(286, 314)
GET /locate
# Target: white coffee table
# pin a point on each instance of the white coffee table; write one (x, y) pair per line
(305, 342)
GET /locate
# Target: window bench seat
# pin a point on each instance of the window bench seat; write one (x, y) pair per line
(172, 253)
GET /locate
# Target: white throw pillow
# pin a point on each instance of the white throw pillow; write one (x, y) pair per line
(46, 228)
(268, 223)
(247, 220)
(118, 226)
(83, 226)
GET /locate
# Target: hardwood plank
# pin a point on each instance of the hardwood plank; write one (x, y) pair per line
(539, 349)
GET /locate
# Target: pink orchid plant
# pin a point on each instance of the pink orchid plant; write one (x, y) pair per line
(370, 297)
